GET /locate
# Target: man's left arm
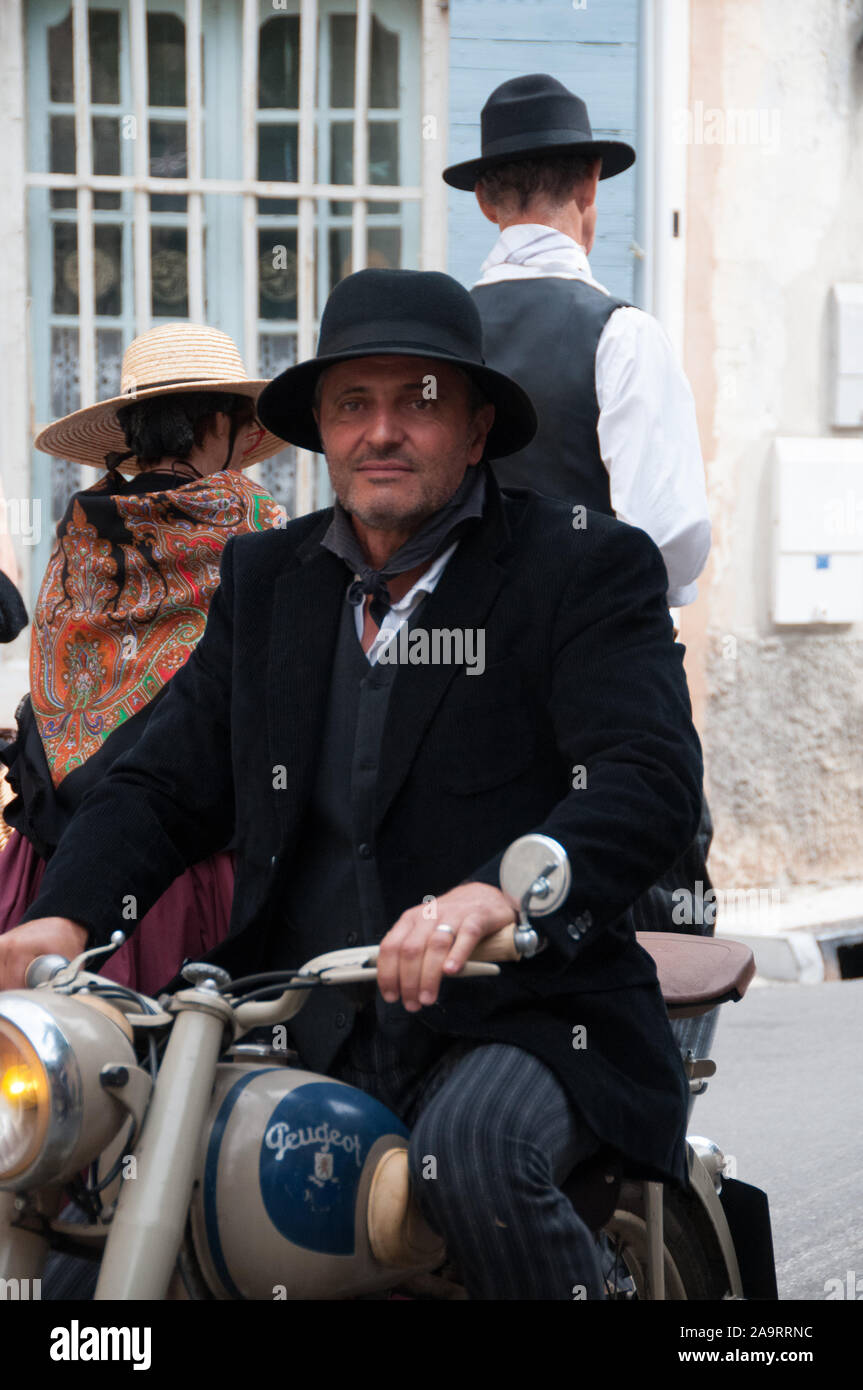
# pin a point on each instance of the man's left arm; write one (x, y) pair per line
(622, 718)
(648, 440)
(620, 707)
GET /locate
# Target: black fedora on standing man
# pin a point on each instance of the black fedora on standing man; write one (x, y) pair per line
(536, 115)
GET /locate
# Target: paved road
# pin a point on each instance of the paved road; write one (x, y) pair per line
(787, 1101)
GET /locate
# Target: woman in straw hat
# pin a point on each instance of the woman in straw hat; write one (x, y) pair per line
(122, 604)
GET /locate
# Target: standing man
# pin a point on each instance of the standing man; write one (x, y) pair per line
(617, 429)
(362, 790)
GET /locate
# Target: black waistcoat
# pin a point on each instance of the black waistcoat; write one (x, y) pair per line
(544, 333)
(333, 887)
(333, 898)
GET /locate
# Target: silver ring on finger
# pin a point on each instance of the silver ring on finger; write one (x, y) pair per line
(442, 927)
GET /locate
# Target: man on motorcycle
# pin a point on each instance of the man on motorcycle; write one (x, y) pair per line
(386, 694)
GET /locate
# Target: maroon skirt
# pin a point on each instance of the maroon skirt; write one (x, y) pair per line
(190, 918)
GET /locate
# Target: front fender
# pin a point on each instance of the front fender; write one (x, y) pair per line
(712, 1218)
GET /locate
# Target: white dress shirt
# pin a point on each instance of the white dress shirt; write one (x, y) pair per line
(399, 612)
(648, 436)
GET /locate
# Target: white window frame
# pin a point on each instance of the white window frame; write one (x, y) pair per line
(661, 170)
(429, 191)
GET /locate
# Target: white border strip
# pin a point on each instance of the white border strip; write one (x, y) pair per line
(194, 132)
(671, 94)
(304, 485)
(433, 135)
(363, 57)
(86, 248)
(138, 60)
(117, 183)
(250, 155)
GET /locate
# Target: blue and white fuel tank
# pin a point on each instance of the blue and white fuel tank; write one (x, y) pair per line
(302, 1190)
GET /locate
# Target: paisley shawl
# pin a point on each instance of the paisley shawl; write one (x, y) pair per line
(124, 600)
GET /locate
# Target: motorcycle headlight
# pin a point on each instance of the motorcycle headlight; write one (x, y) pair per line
(55, 1115)
(24, 1103)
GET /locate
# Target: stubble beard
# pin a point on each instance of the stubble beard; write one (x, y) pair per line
(387, 515)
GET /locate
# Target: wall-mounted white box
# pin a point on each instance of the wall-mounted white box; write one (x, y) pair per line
(817, 531)
(847, 364)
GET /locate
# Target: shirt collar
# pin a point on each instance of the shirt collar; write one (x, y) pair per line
(426, 582)
(532, 249)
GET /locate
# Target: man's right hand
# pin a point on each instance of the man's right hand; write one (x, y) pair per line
(44, 936)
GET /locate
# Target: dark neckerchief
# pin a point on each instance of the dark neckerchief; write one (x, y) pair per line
(434, 536)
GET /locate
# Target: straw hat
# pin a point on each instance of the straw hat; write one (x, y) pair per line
(166, 361)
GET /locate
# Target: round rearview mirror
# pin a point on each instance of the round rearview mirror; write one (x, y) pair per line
(535, 870)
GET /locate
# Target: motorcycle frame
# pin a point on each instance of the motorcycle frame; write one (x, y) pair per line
(147, 1230)
(143, 1240)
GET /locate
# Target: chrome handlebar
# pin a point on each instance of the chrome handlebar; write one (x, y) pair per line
(354, 965)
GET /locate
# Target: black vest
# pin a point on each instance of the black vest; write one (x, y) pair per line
(544, 334)
(334, 894)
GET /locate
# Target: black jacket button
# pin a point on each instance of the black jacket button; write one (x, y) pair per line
(341, 1020)
(577, 928)
(364, 851)
(351, 938)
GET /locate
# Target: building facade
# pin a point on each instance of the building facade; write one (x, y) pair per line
(229, 161)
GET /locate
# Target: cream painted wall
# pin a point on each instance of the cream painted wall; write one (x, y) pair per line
(772, 224)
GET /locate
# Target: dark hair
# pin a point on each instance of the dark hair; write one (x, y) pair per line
(171, 426)
(553, 177)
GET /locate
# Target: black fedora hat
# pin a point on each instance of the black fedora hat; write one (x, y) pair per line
(536, 115)
(404, 313)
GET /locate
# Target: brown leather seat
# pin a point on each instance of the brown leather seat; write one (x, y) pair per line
(698, 972)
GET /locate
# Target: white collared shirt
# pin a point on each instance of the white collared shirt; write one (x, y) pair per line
(399, 612)
(647, 431)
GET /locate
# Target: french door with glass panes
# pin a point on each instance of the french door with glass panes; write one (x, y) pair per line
(182, 156)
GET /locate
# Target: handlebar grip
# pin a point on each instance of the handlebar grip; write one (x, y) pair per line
(499, 947)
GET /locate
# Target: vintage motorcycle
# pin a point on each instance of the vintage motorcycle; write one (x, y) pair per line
(210, 1168)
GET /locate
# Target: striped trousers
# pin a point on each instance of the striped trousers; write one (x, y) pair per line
(493, 1134)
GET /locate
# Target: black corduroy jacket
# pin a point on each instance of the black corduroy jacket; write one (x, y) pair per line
(579, 726)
